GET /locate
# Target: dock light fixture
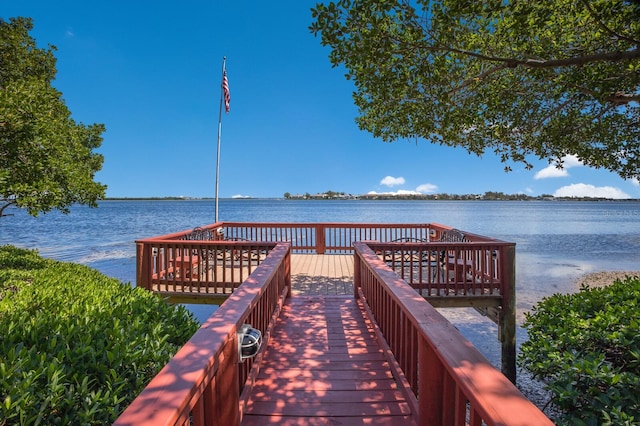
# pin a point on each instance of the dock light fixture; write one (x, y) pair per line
(249, 342)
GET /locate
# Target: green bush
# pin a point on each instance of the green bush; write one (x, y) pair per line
(76, 347)
(586, 348)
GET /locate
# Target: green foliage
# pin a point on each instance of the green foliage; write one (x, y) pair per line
(586, 347)
(521, 78)
(76, 347)
(47, 160)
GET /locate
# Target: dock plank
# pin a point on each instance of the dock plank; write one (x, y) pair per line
(324, 274)
(323, 365)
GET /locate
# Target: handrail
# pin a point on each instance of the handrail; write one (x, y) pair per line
(432, 355)
(204, 384)
(197, 266)
(480, 274)
(187, 262)
(448, 268)
(325, 237)
(320, 238)
(171, 260)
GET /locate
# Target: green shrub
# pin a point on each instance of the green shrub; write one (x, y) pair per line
(76, 347)
(586, 347)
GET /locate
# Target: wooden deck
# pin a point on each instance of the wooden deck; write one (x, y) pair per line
(324, 274)
(325, 361)
(324, 365)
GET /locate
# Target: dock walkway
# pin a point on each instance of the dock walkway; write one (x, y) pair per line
(324, 364)
(329, 357)
(324, 274)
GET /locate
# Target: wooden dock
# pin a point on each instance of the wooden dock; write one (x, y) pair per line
(325, 274)
(383, 356)
(324, 366)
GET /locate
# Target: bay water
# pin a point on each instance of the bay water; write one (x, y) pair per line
(556, 241)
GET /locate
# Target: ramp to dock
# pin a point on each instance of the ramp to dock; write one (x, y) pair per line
(324, 366)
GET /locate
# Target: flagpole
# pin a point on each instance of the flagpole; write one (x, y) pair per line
(224, 60)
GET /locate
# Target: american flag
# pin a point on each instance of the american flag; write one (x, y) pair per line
(225, 89)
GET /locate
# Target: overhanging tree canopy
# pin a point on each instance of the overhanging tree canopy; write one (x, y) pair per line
(47, 160)
(521, 78)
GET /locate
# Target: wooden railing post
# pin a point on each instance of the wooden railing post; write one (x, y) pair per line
(356, 274)
(320, 239)
(430, 382)
(227, 390)
(507, 321)
(287, 272)
(143, 266)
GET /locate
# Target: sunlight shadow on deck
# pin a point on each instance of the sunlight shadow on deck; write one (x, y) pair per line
(327, 274)
(325, 366)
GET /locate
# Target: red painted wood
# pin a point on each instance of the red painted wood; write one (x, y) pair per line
(324, 363)
(281, 385)
(445, 356)
(202, 381)
(322, 421)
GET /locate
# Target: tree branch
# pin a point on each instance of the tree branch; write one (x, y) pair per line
(581, 60)
(604, 27)
(603, 112)
(8, 203)
(614, 56)
(555, 110)
(478, 77)
(552, 63)
(620, 98)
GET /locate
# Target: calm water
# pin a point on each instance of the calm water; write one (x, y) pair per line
(556, 241)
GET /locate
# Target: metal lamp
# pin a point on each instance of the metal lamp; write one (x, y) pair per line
(249, 342)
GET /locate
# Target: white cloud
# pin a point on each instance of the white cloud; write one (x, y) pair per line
(635, 182)
(398, 192)
(392, 181)
(585, 190)
(571, 161)
(552, 171)
(240, 196)
(406, 192)
(427, 188)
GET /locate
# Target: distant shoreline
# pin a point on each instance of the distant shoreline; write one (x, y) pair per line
(373, 198)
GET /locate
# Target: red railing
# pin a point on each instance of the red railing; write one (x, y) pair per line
(448, 381)
(215, 259)
(441, 269)
(204, 384)
(324, 238)
(197, 267)
(444, 265)
(319, 238)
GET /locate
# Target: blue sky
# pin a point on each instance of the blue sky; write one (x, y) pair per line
(151, 72)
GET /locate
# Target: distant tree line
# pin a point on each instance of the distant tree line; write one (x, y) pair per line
(487, 196)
